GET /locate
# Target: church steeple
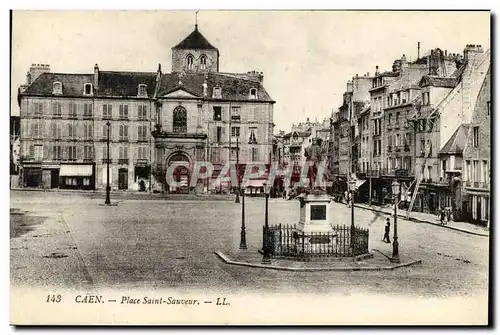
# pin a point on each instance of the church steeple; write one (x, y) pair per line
(195, 53)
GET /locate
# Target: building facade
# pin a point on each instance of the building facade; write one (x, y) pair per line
(477, 157)
(153, 119)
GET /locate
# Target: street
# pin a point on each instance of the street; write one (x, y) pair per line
(171, 243)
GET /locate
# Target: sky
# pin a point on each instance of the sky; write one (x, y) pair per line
(306, 56)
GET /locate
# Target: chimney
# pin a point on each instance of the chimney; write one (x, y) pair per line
(471, 52)
(28, 78)
(37, 69)
(205, 86)
(96, 76)
(418, 50)
(376, 70)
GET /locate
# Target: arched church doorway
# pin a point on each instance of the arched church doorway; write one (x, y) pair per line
(181, 174)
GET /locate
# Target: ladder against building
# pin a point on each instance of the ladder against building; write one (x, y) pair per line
(420, 176)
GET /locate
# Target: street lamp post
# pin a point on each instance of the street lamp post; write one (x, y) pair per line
(352, 188)
(266, 259)
(237, 201)
(108, 188)
(395, 244)
(243, 237)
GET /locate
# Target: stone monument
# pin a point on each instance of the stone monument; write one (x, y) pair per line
(315, 204)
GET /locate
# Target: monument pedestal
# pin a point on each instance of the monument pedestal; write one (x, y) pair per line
(315, 213)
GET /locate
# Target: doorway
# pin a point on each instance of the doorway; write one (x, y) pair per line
(123, 179)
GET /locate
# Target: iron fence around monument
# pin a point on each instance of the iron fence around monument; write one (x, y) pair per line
(288, 241)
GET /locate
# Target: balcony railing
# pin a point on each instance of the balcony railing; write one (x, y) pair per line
(106, 160)
(180, 129)
(142, 161)
(123, 161)
(397, 148)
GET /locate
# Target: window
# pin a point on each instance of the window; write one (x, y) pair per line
(142, 112)
(390, 118)
(180, 120)
(235, 131)
(73, 110)
(475, 138)
(254, 154)
(422, 146)
(488, 106)
(486, 173)
(105, 152)
(217, 113)
(123, 152)
(72, 152)
(142, 152)
(107, 111)
(87, 110)
(56, 152)
(56, 109)
(87, 90)
(217, 93)
(141, 91)
(252, 139)
(390, 141)
(71, 131)
(475, 170)
(398, 141)
(203, 62)
(219, 134)
(397, 118)
(38, 108)
(142, 133)
(189, 62)
(56, 131)
(35, 130)
(123, 133)
(88, 131)
(443, 168)
(123, 112)
(469, 171)
(235, 113)
(88, 152)
(429, 172)
(253, 93)
(105, 131)
(57, 88)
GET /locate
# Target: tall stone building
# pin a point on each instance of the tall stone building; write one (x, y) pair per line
(155, 119)
(476, 172)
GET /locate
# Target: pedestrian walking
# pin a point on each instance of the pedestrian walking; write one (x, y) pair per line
(442, 216)
(387, 231)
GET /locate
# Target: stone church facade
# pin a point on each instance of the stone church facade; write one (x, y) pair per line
(195, 112)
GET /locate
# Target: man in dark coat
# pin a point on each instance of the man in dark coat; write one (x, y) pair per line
(387, 231)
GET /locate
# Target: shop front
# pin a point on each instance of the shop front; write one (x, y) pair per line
(77, 176)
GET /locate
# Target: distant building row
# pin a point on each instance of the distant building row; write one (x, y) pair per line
(427, 119)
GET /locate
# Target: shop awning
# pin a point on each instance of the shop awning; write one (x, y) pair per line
(75, 171)
(360, 182)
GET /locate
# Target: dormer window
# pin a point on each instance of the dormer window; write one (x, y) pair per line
(141, 91)
(189, 62)
(57, 88)
(253, 93)
(217, 93)
(87, 89)
(203, 62)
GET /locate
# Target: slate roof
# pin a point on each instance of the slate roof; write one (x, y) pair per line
(195, 41)
(456, 143)
(427, 80)
(72, 84)
(299, 134)
(125, 83)
(232, 88)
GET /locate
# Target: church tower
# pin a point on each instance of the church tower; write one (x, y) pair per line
(195, 54)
